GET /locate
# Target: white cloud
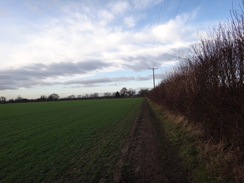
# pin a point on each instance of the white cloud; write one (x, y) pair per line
(130, 21)
(105, 17)
(171, 31)
(119, 7)
(77, 37)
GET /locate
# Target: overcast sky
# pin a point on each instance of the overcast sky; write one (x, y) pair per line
(86, 46)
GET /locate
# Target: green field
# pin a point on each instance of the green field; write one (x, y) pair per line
(64, 141)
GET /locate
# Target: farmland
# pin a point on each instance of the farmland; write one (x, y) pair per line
(63, 141)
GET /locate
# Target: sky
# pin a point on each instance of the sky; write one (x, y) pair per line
(78, 47)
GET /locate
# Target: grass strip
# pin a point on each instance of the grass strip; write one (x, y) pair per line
(191, 148)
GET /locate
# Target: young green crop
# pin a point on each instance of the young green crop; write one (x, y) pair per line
(63, 141)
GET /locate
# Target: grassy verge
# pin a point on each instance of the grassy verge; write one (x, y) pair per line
(208, 162)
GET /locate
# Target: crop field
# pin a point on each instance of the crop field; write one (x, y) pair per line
(64, 141)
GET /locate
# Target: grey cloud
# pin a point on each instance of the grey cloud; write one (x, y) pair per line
(61, 68)
(140, 63)
(100, 80)
(145, 62)
(144, 78)
(97, 81)
(33, 75)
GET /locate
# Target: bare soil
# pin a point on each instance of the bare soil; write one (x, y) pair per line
(148, 155)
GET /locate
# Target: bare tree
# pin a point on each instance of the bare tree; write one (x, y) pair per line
(123, 91)
(19, 98)
(107, 94)
(53, 96)
(131, 92)
(43, 97)
(143, 92)
(71, 97)
(2, 99)
(94, 95)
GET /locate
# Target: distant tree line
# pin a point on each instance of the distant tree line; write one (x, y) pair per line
(124, 92)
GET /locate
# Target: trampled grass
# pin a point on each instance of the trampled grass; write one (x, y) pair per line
(69, 141)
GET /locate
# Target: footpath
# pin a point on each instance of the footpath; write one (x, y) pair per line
(148, 155)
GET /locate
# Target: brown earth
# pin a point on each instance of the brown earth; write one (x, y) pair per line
(148, 155)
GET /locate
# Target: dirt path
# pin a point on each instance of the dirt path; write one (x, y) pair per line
(147, 155)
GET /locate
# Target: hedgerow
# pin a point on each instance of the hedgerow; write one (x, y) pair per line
(208, 88)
